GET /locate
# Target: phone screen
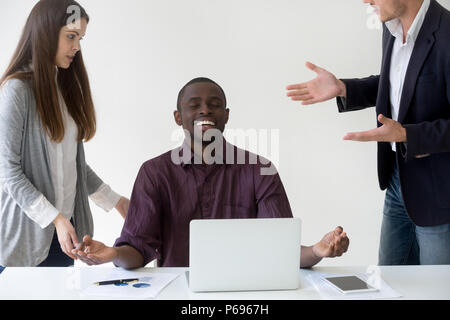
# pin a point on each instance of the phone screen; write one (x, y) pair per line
(349, 283)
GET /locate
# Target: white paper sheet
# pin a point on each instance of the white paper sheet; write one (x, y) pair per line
(328, 292)
(148, 286)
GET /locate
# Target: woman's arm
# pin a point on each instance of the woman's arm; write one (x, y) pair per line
(104, 196)
(13, 104)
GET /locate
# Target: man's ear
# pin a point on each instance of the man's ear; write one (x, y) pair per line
(177, 117)
(227, 115)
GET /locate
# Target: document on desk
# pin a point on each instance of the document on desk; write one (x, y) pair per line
(328, 292)
(147, 285)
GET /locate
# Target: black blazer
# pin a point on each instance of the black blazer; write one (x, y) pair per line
(424, 160)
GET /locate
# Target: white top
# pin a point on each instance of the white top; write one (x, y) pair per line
(63, 171)
(401, 54)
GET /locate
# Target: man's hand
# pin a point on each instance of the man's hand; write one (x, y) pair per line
(324, 87)
(122, 206)
(333, 244)
(390, 131)
(94, 252)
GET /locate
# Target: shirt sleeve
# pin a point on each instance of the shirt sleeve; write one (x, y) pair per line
(142, 227)
(105, 197)
(271, 198)
(42, 212)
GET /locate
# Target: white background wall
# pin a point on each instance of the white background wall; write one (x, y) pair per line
(139, 53)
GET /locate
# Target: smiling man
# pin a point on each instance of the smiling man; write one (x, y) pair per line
(168, 194)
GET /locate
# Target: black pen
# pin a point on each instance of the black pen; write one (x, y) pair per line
(103, 283)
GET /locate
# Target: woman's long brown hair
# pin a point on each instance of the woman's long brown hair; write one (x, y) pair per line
(38, 45)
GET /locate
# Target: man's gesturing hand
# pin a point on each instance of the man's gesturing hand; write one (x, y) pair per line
(390, 131)
(333, 244)
(324, 87)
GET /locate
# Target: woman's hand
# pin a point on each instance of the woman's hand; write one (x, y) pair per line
(67, 236)
(122, 206)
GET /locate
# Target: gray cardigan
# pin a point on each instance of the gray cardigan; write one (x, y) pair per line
(25, 175)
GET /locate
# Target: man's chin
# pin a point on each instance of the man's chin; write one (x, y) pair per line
(385, 18)
(203, 142)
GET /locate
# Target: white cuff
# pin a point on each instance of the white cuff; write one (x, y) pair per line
(105, 197)
(42, 212)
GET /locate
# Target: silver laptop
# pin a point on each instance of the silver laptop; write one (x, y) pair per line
(244, 254)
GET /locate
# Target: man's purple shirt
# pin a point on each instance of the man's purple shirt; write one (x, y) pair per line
(167, 196)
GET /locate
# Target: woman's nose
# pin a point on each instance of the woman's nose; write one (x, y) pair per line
(76, 47)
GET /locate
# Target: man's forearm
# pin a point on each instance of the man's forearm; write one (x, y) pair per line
(343, 89)
(308, 258)
(359, 93)
(128, 258)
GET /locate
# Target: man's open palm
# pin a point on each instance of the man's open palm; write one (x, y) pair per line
(94, 252)
(333, 244)
(322, 88)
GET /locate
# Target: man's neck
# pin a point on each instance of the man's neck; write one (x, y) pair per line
(200, 153)
(407, 19)
(197, 148)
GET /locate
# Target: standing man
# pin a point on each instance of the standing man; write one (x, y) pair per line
(412, 98)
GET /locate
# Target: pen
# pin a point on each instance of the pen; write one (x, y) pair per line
(103, 283)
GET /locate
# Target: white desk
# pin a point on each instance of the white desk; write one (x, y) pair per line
(413, 282)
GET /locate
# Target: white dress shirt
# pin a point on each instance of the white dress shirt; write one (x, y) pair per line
(63, 170)
(401, 54)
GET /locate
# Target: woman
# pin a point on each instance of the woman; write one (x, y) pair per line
(46, 112)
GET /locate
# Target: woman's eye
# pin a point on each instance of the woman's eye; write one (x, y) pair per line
(71, 36)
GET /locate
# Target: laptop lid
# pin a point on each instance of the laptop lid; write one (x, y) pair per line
(244, 254)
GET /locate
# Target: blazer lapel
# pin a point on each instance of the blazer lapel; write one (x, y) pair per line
(423, 45)
(383, 104)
